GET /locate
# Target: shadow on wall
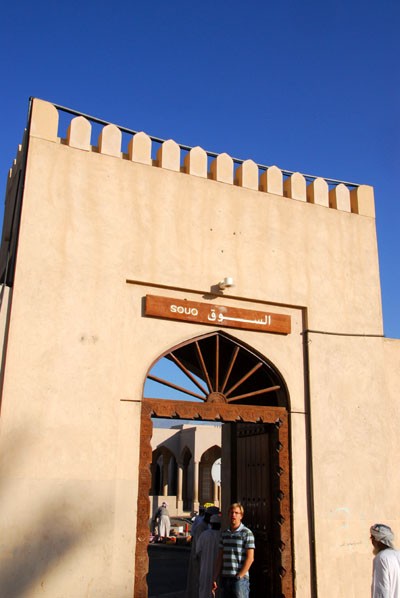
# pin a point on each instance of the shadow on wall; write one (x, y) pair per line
(45, 537)
(47, 541)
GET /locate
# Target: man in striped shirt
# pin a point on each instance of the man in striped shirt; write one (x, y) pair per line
(235, 556)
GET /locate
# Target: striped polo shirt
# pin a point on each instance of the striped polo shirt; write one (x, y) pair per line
(234, 545)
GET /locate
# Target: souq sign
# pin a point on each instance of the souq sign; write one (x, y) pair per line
(216, 315)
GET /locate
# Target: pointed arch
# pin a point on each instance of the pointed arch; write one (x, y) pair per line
(163, 471)
(233, 383)
(186, 463)
(208, 492)
(213, 452)
(186, 455)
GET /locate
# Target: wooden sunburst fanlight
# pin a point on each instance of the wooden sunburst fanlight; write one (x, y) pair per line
(224, 371)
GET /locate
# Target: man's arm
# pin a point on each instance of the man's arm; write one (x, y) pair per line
(247, 563)
(217, 569)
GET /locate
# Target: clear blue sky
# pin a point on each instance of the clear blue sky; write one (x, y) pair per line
(309, 86)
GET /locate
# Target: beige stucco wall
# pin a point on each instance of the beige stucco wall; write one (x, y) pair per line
(355, 421)
(79, 350)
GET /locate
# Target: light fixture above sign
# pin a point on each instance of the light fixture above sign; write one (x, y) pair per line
(226, 283)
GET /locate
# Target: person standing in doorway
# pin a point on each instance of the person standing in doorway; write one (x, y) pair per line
(207, 552)
(386, 564)
(193, 574)
(235, 556)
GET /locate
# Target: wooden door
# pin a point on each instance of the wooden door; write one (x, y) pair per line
(255, 484)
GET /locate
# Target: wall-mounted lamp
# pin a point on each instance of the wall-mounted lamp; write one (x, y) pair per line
(227, 282)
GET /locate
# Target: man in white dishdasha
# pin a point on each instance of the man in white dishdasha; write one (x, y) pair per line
(386, 564)
(207, 551)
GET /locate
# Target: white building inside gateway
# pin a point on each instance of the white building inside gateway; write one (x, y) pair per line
(181, 467)
(261, 287)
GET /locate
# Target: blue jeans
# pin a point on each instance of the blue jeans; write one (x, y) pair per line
(235, 588)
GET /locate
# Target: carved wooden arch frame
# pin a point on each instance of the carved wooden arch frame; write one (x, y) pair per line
(210, 411)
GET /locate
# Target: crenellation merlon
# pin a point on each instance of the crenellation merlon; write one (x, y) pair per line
(295, 187)
(169, 155)
(139, 148)
(271, 181)
(318, 192)
(195, 162)
(357, 200)
(247, 175)
(339, 198)
(16, 164)
(109, 141)
(362, 201)
(79, 132)
(221, 169)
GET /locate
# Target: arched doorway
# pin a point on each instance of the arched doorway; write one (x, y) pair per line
(239, 387)
(163, 472)
(185, 496)
(208, 490)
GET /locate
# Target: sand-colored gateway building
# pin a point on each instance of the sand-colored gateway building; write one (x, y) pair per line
(261, 287)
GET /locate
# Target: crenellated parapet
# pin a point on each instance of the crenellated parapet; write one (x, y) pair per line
(222, 168)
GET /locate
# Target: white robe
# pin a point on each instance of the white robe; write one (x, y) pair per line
(164, 525)
(192, 585)
(386, 574)
(207, 551)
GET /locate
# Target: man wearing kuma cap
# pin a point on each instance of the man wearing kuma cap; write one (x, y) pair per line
(386, 565)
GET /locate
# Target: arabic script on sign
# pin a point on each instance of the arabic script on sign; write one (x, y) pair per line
(213, 317)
